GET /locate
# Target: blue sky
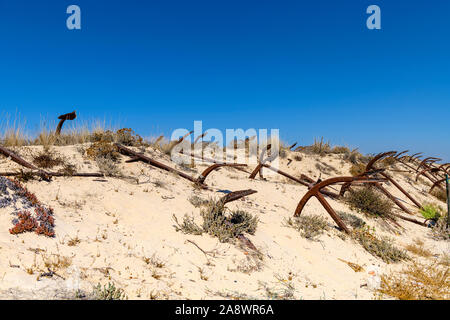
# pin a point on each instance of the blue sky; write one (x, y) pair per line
(309, 68)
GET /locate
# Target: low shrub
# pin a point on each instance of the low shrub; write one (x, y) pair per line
(196, 201)
(430, 212)
(357, 169)
(440, 230)
(109, 292)
(47, 160)
(340, 150)
(309, 226)
(379, 247)
(217, 223)
(227, 227)
(108, 167)
(128, 137)
(369, 201)
(102, 149)
(354, 221)
(188, 226)
(354, 157)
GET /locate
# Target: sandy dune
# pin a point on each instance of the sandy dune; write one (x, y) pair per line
(127, 236)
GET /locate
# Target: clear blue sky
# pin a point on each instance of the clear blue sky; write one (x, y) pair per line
(309, 68)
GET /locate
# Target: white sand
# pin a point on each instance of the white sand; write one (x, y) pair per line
(120, 223)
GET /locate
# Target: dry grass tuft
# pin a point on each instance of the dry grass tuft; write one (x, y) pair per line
(354, 157)
(340, 150)
(108, 167)
(418, 249)
(440, 194)
(357, 169)
(102, 149)
(309, 226)
(379, 247)
(318, 147)
(418, 282)
(48, 159)
(56, 262)
(440, 230)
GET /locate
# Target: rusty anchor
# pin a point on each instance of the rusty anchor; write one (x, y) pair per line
(316, 192)
(135, 156)
(63, 118)
(370, 168)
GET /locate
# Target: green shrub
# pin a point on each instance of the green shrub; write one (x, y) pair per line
(109, 292)
(369, 201)
(430, 212)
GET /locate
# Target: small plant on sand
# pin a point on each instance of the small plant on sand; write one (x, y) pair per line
(430, 212)
(155, 261)
(197, 202)
(418, 248)
(354, 221)
(55, 262)
(102, 149)
(310, 226)
(357, 169)
(47, 159)
(128, 137)
(369, 201)
(440, 231)
(218, 223)
(108, 167)
(73, 241)
(418, 282)
(109, 292)
(188, 226)
(227, 227)
(379, 247)
(40, 220)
